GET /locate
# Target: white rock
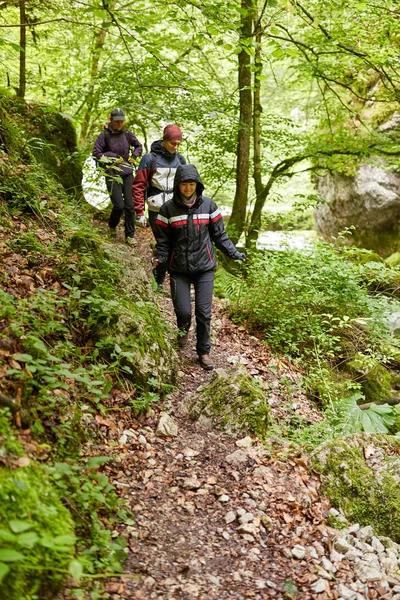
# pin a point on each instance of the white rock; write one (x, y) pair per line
(142, 439)
(319, 586)
(191, 483)
(224, 498)
(342, 545)
(230, 517)
(377, 545)
(336, 556)
(366, 572)
(365, 533)
(238, 458)
(245, 442)
(327, 565)
(346, 593)
(298, 551)
(166, 426)
(246, 518)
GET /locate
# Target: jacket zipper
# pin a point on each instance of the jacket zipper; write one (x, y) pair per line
(172, 258)
(209, 253)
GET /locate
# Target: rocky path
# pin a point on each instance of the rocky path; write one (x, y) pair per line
(224, 518)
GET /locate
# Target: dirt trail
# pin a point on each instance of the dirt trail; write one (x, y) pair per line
(214, 520)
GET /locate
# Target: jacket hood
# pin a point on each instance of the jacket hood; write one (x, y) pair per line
(186, 173)
(158, 148)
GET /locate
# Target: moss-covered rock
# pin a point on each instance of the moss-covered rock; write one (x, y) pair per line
(393, 260)
(233, 401)
(374, 378)
(36, 530)
(361, 476)
(145, 339)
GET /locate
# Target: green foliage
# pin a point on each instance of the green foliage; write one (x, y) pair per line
(91, 499)
(37, 537)
(314, 302)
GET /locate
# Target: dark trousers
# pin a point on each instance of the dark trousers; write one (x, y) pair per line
(180, 293)
(121, 198)
(161, 270)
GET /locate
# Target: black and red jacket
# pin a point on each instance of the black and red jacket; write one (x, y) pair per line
(185, 236)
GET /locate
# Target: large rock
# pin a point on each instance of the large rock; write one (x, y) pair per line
(233, 401)
(370, 201)
(361, 476)
(145, 342)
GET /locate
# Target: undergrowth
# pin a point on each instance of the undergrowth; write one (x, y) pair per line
(61, 358)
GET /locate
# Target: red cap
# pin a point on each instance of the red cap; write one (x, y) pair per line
(172, 132)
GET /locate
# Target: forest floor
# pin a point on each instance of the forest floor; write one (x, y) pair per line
(217, 517)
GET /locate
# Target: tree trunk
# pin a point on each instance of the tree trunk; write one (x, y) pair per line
(257, 110)
(238, 217)
(22, 52)
(93, 93)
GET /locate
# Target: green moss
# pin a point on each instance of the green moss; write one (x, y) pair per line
(365, 495)
(234, 402)
(32, 521)
(374, 379)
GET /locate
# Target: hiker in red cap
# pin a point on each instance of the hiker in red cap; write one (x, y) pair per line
(154, 181)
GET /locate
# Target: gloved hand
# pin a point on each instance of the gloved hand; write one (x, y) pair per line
(142, 221)
(132, 160)
(242, 256)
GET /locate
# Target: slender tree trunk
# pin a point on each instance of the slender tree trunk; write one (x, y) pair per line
(93, 94)
(22, 53)
(238, 217)
(257, 110)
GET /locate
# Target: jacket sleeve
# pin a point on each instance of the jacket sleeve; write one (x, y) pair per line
(140, 184)
(219, 235)
(100, 146)
(138, 148)
(162, 233)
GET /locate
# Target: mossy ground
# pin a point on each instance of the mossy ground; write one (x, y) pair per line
(366, 495)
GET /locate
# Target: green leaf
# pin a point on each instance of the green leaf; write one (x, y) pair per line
(7, 536)
(3, 571)
(20, 526)
(97, 461)
(64, 540)
(9, 555)
(75, 569)
(27, 540)
(23, 357)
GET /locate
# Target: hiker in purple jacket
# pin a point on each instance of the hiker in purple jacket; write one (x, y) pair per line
(112, 150)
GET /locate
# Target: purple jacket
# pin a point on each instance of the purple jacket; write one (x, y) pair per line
(114, 144)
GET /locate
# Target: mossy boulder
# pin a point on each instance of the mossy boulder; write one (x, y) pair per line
(393, 260)
(374, 378)
(361, 476)
(145, 339)
(233, 401)
(47, 135)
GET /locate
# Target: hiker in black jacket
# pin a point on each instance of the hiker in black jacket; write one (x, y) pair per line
(112, 150)
(186, 228)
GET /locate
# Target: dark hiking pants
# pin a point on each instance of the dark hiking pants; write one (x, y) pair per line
(121, 198)
(160, 271)
(180, 293)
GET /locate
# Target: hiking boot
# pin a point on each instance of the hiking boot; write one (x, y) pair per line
(206, 362)
(112, 233)
(183, 340)
(131, 241)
